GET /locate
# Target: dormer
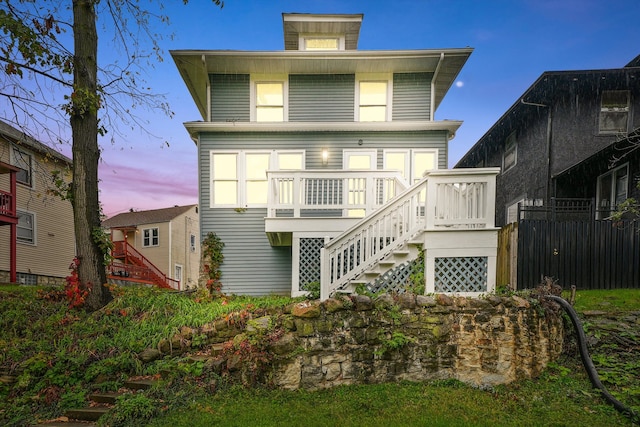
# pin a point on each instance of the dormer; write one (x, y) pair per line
(311, 32)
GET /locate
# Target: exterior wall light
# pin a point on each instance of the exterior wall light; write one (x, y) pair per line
(325, 156)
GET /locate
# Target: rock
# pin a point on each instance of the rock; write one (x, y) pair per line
(332, 305)
(383, 301)
(362, 303)
(443, 299)
(260, 324)
(407, 301)
(425, 301)
(149, 355)
(306, 310)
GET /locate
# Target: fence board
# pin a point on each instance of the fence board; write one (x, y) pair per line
(587, 254)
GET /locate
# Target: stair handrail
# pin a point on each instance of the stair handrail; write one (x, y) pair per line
(353, 242)
(130, 250)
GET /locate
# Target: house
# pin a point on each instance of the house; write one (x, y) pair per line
(157, 247)
(322, 163)
(37, 239)
(568, 143)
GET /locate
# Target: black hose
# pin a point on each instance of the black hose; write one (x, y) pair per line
(588, 363)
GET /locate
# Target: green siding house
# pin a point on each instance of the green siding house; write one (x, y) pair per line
(324, 163)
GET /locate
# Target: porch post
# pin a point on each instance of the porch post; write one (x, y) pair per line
(13, 234)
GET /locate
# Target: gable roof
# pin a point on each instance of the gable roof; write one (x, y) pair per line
(18, 137)
(542, 93)
(132, 219)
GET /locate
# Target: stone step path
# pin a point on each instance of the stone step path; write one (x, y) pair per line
(100, 404)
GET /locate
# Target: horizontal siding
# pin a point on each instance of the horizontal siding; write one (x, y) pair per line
(321, 98)
(250, 266)
(412, 96)
(230, 97)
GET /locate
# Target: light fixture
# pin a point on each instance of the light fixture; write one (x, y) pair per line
(325, 156)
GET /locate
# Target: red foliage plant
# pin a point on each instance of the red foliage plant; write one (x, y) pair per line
(75, 291)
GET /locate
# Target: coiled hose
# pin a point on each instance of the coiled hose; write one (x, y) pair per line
(588, 363)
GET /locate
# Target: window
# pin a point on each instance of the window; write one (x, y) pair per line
(321, 43)
(372, 101)
(150, 237)
(23, 161)
(613, 189)
(412, 164)
(614, 110)
(26, 228)
(240, 178)
(192, 241)
(510, 157)
(270, 102)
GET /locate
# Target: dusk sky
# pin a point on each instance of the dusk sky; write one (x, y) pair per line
(514, 41)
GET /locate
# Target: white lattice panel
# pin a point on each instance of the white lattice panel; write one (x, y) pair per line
(309, 264)
(461, 274)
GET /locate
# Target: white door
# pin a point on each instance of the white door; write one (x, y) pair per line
(356, 194)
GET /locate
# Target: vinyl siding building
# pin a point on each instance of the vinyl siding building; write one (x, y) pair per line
(297, 146)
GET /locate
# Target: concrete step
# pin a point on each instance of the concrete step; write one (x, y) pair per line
(139, 384)
(105, 397)
(68, 424)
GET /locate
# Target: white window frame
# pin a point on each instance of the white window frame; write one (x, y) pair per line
(510, 144)
(374, 77)
(15, 152)
(256, 79)
(33, 241)
(192, 242)
(178, 276)
(302, 41)
(151, 237)
(602, 211)
(241, 178)
(409, 161)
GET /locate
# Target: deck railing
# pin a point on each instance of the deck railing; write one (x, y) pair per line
(146, 271)
(331, 193)
(442, 200)
(6, 206)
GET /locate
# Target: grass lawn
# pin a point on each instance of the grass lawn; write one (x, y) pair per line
(61, 355)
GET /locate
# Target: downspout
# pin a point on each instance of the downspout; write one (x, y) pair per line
(548, 148)
(170, 253)
(433, 87)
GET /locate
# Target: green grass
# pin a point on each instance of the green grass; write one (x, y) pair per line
(62, 354)
(606, 300)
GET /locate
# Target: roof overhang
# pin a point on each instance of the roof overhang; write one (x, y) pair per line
(196, 65)
(450, 126)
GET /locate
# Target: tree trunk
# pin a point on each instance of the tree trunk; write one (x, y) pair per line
(86, 154)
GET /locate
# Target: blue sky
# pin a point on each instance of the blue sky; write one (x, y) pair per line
(514, 41)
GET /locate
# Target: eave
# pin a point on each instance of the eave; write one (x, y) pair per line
(196, 65)
(450, 126)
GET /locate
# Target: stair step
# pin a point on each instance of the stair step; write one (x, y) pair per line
(68, 424)
(401, 253)
(87, 414)
(104, 397)
(386, 263)
(139, 384)
(372, 273)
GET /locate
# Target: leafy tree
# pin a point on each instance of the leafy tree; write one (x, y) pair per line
(49, 48)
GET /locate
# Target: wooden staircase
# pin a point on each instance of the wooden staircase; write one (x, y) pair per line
(135, 267)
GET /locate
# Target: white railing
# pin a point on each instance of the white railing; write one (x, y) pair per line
(339, 193)
(448, 199)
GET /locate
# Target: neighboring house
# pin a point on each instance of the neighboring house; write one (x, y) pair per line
(312, 164)
(37, 242)
(157, 246)
(569, 141)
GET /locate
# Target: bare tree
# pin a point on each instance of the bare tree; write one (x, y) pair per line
(48, 49)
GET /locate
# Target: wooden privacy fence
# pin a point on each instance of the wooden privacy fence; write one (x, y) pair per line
(588, 254)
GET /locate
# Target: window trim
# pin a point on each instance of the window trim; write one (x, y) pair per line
(14, 162)
(302, 41)
(624, 110)
(510, 143)
(410, 160)
(372, 78)
(34, 233)
(256, 79)
(151, 237)
(241, 178)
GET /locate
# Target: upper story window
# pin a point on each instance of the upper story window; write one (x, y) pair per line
(373, 100)
(614, 111)
(239, 178)
(150, 237)
(26, 230)
(510, 156)
(321, 43)
(269, 102)
(23, 161)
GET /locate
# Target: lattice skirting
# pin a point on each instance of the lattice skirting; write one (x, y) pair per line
(309, 261)
(461, 274)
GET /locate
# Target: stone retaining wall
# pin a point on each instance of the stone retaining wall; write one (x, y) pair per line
(357, 340)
